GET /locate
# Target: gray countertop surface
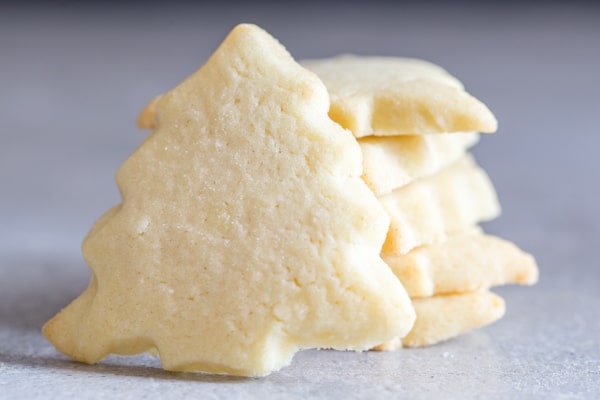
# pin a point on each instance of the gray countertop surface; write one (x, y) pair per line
(73, 79)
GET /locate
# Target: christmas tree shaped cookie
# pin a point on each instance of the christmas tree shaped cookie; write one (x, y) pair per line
(245, 232)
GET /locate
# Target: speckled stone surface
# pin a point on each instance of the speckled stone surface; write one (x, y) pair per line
(73, 79)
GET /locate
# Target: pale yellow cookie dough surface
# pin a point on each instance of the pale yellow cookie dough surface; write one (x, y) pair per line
(398, 96)
(427, 210)
(389, 162)
(394, 161)
(245, 231)
(443, 317)
(465, 262)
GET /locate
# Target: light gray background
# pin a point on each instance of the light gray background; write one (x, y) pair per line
(73, 78)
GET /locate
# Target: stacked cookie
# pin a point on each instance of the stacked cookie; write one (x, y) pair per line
(415, 124)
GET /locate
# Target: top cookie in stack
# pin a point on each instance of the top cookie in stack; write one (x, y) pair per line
(379, 96)
(415, 123)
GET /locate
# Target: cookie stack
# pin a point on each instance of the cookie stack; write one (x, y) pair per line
(415, 124)
(246, 233)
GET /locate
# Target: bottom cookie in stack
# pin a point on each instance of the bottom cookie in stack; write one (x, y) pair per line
(443, 317)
